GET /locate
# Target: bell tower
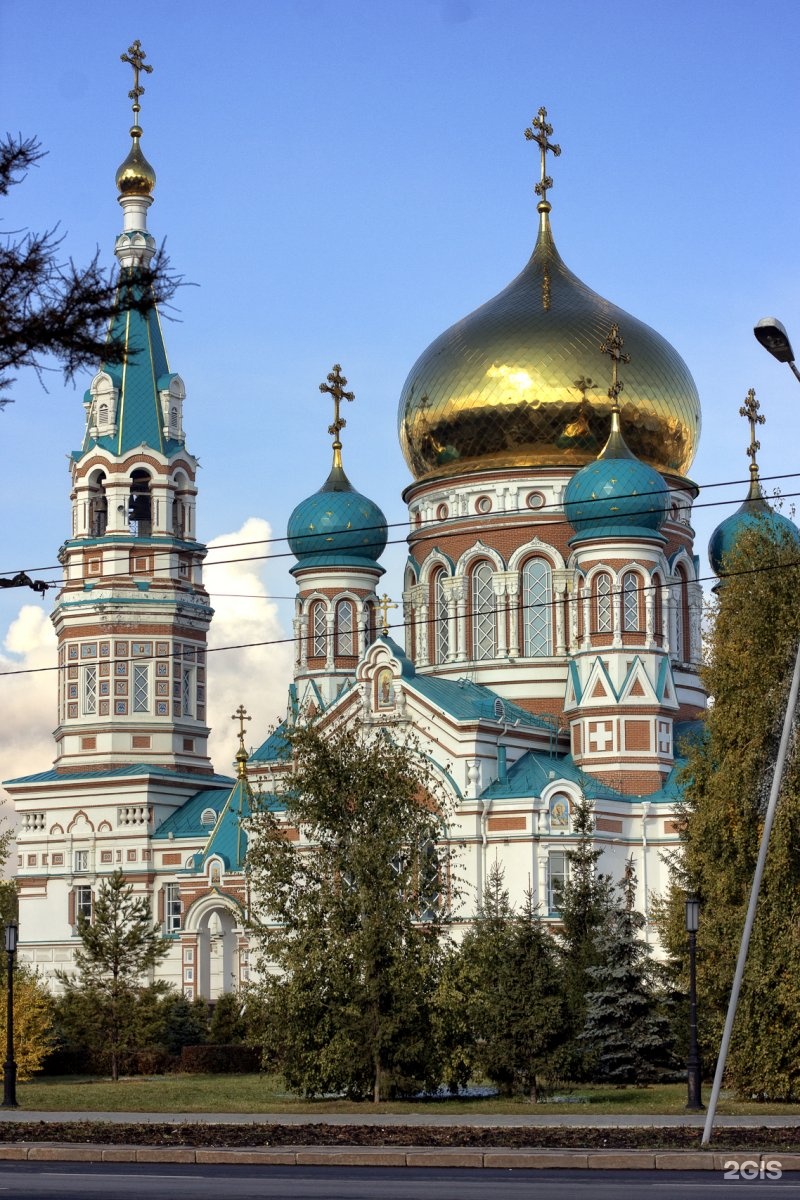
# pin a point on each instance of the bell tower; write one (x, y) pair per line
(132, 615)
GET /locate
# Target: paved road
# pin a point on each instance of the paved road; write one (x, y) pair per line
(476, 1120)
(23, 1181)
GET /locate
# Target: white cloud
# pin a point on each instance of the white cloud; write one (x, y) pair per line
(28, 700)
(255, 676)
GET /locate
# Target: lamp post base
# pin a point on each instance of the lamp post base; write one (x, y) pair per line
(9, 1085)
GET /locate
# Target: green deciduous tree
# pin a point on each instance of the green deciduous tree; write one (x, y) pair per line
(350, 918)
(33, 1021)
(753, 636)
(119, 948)
(626, 1032)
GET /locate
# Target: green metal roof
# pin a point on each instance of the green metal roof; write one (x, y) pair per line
(185, 822)
(135, 770)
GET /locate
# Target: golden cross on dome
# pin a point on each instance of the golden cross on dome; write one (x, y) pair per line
(613, 347)
(750, 410)
(136, 57)
(241, 716)
(540, 131)
(385, 604)
(336, 387)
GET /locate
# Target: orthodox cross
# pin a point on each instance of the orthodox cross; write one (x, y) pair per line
(385, 604)
(750, 410)
(335, 387)
(584, 385)
(613, 347)
(539, 131)
(241, 757)
(136, 57)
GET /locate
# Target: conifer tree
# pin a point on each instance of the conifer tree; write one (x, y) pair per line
(626, 1032)
(119, 947)
(751, 647)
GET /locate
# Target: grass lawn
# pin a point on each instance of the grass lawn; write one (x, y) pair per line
(266, 1093)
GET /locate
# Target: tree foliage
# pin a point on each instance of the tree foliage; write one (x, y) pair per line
(350, 918)
(626, 1031)
(33, 1021)
(511, 983)
(751, 649)
(119, 948)
(53, 309)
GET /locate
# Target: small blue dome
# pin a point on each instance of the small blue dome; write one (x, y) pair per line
(337, 526)
(616, 495)
(752, 512)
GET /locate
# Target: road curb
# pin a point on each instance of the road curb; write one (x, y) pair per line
(385, 1156)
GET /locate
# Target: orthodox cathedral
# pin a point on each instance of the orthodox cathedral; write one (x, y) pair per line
(543, 646)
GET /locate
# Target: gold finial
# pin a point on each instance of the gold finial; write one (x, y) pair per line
(751, 410)
(136, 56)
(540, 131)
(613, 347)
(241, 716)
(336, 387)
(385, 604)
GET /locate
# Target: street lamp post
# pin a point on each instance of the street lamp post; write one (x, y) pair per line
(694, 1101)
(774, 338)
(10, 1066)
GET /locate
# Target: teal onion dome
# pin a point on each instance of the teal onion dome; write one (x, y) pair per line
(617, 495)
(751, 513)
(337, 526)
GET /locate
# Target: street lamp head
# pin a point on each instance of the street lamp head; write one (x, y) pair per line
(692, 913)
(774, 338)
(12, 930)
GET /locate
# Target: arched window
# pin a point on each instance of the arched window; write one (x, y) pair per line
(537, 622)
(630, 602)
(140, 521)
(682, 617)
(483, 622)
(603, 621)
(319, 631)
(658, 612)
(440, 629)
(345, 627)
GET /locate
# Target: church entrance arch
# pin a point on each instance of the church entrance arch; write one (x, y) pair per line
(215, 924)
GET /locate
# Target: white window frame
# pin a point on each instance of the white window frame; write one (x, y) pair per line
(483, 612)
(187, 691)
(173, 907)
(83, 902)
(604, 619)
(90, 690)
(440, 618)
(141, 671)
(557, 876)
(345, 627)
(630, 602)
(319, 631)
(80, 861)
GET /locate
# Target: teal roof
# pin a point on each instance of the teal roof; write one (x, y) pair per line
(753, 512)
(135, 770)
(337, 526)
(144, 373)
(185, 822)
(274, 749)
(534, 770)
(228, 839)
(617, 495)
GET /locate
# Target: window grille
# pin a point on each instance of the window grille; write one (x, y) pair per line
(83, 903)
(483, 645)
(536, 594)
(557, 875)
(89, 690)
(172, 907)
(187, 699)
(141, 688)
(603, 600)
(630, 602)
(344, 627)
(442, 640)
(320, 632)
(81, 861)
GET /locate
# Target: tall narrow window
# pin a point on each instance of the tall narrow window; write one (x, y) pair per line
(440, 625)
(83, 903)
(172, 907)
(344, 627)
(681, 650)
(630, 602)
(319, 631)
(658, 612)
(89, 690)
(536, 608)
(141, 687)
(557, 875)
(483, 624)
(602, 596)
(187, 691)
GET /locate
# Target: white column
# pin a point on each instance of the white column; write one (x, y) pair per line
(461, 648)
(512, 591)
(499, 590)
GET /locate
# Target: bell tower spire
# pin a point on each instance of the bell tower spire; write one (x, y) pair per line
(132, 616)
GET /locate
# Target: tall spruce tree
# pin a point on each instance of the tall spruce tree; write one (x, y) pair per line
(587, 900)
(351, 917)
(626, 1031)
(753, 635)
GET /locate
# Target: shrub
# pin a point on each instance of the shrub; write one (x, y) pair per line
(220, 1060)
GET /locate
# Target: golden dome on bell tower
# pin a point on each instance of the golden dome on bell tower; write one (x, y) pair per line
(510, 385)
(135, 176)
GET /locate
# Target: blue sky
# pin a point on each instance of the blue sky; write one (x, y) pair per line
(343, 180)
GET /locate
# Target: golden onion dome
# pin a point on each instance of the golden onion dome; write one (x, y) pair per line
(135, 176)
(520, 382)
